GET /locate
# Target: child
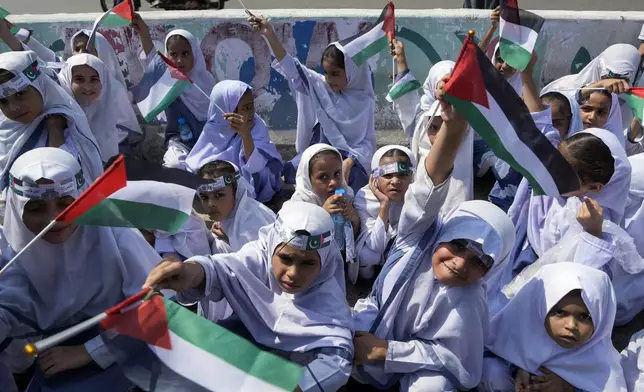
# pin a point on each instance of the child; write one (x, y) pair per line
(426, 317)
(237, 219)
(47, 290)
(416, 111)
(596, 109)
(634, 212)
(38, 113)
(104, 101)
(557, 331)
(562, 116)
(286, 291)
(632, 357)
(240, 136)
(342, 103)
(379, 205)
(102, 49)
(183, 49)
(319, 175)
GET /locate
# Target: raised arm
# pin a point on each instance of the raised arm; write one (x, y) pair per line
(495, 16)
(264, 27)
(530, 92)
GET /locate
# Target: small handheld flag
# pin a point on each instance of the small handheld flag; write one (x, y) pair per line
(635, 100)
(121, 15)
(363, 46)
(518, 33)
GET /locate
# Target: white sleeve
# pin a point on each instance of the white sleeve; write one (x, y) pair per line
(325, 373)
(375, 243)
(99, 352)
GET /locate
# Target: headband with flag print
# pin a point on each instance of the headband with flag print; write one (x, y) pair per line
(300, 240)
(392, 167)
(20, 81)
(51, 191)
(219, 183)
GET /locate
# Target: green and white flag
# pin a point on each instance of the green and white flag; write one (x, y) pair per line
(363, 46)
(403, 86)
(518, 34)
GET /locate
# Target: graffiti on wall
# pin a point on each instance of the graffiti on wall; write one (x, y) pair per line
(233, 51)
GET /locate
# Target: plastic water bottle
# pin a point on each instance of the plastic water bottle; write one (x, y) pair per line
(185, 133)
(338, 220)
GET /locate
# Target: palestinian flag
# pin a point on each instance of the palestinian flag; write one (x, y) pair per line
(3, 15)
(161, 346)
(518, 34)
(121, 15)
(497, 113)
(404, 85)
(113, 201)
(363, 46)
(635, 100)
(165, 90)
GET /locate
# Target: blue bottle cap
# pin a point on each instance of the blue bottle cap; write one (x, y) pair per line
(339, 191)
(182, 121)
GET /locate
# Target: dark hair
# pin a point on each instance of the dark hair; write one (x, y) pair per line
(176, 37)
(334, 55)
(555, 96)
(6, 75)
(395, 153)
(216, 169)
(583, 99)
(321, 155)
(590, 157)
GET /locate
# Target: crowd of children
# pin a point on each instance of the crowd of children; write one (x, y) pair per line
(518, 293)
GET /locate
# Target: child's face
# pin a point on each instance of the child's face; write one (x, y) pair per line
(455, 265)
(246, 106)
(506, 71)
(433, 129)
(23, 106)
(336, 78)
(180, 52)
(569, 322)
(295, 269)
(218, 204)
(38, 214)
(560, 117)
(80, 45)
(326, 175)
(394, 185)
(86, 84)
(595, 111)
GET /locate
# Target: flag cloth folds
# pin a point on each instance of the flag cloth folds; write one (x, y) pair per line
(635, 100)
(518, 34)
(403, 86)
(113, 201)
(161, 346)
(121, 15)
(3, 15)
(363, 46)
(165, 90)
(497, 113)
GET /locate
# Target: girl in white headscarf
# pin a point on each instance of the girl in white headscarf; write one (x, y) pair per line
(337, 108)
(557, 330)
(103, 99)
(102, 49)
(235, 133)
(38, 113)
(183, 49)
(47, 289)
(633, 357)
(379, 205)
(286, 291)
(426, 316)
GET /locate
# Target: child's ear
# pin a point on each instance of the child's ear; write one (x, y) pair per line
(595, 187)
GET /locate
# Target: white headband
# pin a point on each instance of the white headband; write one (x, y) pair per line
(302, 241)
(392, 167)
(20, 81)
(51, 191)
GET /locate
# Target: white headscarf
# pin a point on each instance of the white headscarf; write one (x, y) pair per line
(303, 187)
(617, 60)
(437, 314)
(519, 336)
(632, 357)
(315, 318)
(634, 212)
(218, 140)
(105, 52)
(109, 110)
(346, 117)
(96, 268)
(14, 135)
(515, 79)
(436, 73)
(193, 98)
(613, 122)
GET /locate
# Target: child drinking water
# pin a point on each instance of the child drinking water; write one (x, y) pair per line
(557, 332)
(286, 291)
(104, 101)
(337, 108)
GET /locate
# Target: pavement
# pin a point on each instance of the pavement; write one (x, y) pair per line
(83, 6)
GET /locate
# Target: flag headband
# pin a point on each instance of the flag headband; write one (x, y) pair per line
(393, 167)
(483, 259)
(53, 191)
(302, 241)
(21, 81)
(219, 183)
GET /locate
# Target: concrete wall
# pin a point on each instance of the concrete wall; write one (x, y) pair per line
(567, 42)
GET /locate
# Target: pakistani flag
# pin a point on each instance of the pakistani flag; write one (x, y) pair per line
(363, 46)
(32, 71)
(635, 100)
(497, 113)
(404, 85)
(518, 34)
(161, 346)
(165, 90)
